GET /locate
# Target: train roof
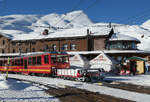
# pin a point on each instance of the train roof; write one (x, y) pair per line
(18, 55)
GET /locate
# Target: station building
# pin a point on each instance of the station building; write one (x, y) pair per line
(88, 42)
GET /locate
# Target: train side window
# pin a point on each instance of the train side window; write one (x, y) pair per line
(21, 62)
(1, 63)
(38, 60)
(53, 59)
(12, 62)
(15, 62)
(46, 59)
(34, 60)
(18, 62)
(30, 61)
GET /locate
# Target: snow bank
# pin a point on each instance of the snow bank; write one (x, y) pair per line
(18, 91)
(138, 97)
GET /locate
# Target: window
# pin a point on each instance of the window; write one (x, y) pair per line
(13, 43)
(72, 47)
(65, 47)
(26, 43)
(46, 48)
(26, 50)
(21, 62)
(3, 42)
(46, 59)
(33, 49)
(133, 45)
(13, 62)
(34, 60)
(39, 60)
(53, 58)
(62, 58)
(1, 63)
(30, 61)
(54, 47)
(3, 51)
(33, 43)
(14, 51)
(18, 62)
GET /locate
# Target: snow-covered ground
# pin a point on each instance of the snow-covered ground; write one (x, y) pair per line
(143, 80)
(18, 91)
(96, 87)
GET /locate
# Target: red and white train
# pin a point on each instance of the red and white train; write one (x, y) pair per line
(47, 64)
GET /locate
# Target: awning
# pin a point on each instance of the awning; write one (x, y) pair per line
(136, 58)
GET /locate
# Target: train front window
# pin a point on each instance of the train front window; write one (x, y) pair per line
(62, 58)
(53, 58)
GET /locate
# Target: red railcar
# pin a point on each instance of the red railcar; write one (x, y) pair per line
(43, 63)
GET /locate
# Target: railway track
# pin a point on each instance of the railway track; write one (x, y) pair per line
(127, 86)
(72, 94)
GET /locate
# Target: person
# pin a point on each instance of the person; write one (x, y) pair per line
(134, 70)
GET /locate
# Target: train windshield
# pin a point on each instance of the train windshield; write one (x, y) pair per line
(59, 58)
(62, 58)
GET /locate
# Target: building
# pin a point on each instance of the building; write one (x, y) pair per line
(68, 40)
(116, 45)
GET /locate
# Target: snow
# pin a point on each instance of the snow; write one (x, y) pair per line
(122, 37)
(27, 27)
(103, 61)
(108, 51)
(79, 61)
(95, 87)
(138, 79)
(72, 32)
(18, 91)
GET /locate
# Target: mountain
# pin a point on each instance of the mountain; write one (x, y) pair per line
(16, 25)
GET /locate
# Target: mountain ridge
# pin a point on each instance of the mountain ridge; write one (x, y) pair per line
(30, 24)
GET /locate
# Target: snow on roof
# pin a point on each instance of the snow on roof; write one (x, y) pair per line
(79, 61)
(103, 61)
(6, 35)
(74, 32)
(109, 51)
(122, 37)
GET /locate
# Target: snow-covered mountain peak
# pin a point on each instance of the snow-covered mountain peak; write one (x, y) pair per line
(146, 25)
(17, 25)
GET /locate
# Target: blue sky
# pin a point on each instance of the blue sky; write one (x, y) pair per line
(117, 11)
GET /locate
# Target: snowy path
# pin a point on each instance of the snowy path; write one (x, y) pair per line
(139, 97)
(18, 91)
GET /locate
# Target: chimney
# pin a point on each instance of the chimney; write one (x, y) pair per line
(109, 25)
(88, 32)
(45, 32)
